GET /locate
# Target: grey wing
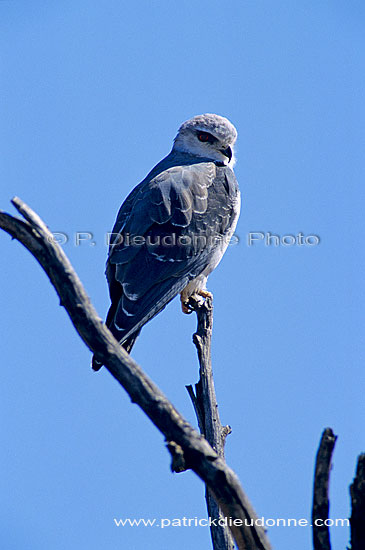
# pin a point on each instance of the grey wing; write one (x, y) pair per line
(164, 237)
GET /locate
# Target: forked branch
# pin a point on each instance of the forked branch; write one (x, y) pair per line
(198, 454)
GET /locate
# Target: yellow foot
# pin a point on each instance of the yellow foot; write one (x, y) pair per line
(187, 308)
(205, 293)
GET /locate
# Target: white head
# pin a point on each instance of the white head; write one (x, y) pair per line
(208, 136)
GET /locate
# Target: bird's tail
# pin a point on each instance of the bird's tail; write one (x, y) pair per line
(127, 345)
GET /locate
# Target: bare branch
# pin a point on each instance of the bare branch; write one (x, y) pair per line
(357, 520)
(320, 508)
(199, 456)
(206, 408)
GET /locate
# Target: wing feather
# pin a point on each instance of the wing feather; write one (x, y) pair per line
(169, 217)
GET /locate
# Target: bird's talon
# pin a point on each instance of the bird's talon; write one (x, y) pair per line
(186, 308)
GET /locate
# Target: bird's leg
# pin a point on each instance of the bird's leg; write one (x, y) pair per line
(187, 307)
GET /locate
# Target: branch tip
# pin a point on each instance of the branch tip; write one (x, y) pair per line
(320, 506)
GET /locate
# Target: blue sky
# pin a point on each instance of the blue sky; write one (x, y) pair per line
(92, 96)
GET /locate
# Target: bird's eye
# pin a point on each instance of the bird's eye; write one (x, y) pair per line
(205, 137)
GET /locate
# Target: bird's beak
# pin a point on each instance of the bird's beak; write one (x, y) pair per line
(227, 153)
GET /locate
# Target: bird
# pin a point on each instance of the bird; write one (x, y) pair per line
(173, 228)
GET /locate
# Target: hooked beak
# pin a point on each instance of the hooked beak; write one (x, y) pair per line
(227, 153)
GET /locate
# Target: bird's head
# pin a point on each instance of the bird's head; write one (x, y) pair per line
(209, 136)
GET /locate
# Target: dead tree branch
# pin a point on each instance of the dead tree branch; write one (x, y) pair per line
(198, 454)
(206, 408)
(357, 520)
(320, 507)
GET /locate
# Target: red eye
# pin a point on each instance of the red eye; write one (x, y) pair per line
(203, 136)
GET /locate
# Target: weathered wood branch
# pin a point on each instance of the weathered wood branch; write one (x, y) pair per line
(198, 454)
(357, 519)
(320, 507)
(206, 408)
